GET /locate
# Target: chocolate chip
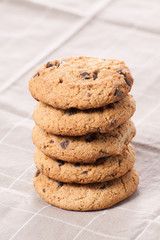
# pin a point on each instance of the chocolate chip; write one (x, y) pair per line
(60, 80)
(60, 162)
(95, 75)
(44, 147)
(119, 163)
(37, 173)
(48, 65)
(118, 93)
(127, 81)
(102, 151)
(57, 64)
(71, 111)
(85, 75)
(85, 172)
(60, 184)
(52, 141)
(44, 190)
(64, 144)
(103, 186)
(37, 74)
(77, 164)
(90, 137)
(120, 71)
(49, 169)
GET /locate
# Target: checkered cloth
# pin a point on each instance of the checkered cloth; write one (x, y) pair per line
(34, 32)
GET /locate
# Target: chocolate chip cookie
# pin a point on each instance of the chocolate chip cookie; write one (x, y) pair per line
(86, 149)
(81, 82)
(86, 197)
(74, 122)
(104, 169)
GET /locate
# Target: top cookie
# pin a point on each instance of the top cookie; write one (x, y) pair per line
(81, 82)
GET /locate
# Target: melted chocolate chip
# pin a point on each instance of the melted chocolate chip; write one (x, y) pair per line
(85, 172)
(95, 75)
(127, 81)
(85, 75)
(90, 137)
(60, 80)
(37, 74)
(118, 93)
(60, 184)
(71, 111)
(120, 71)
(60, 163)
(52, 141)
(57, 64)
(77, 164)
(48, 65)
(64, 144)
(37, 173)
(44, 190)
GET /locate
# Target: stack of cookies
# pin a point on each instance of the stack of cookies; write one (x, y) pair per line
(83, 132)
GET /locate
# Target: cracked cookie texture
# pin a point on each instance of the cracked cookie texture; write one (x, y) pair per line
(81, 82)
(86, 197)
(74, 122)
(86, 148)
(104, 169)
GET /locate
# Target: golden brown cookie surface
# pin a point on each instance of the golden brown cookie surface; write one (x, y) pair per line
(74, 122)
(93, 196)
(81, 82)
(86, 148)
(105, 169)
